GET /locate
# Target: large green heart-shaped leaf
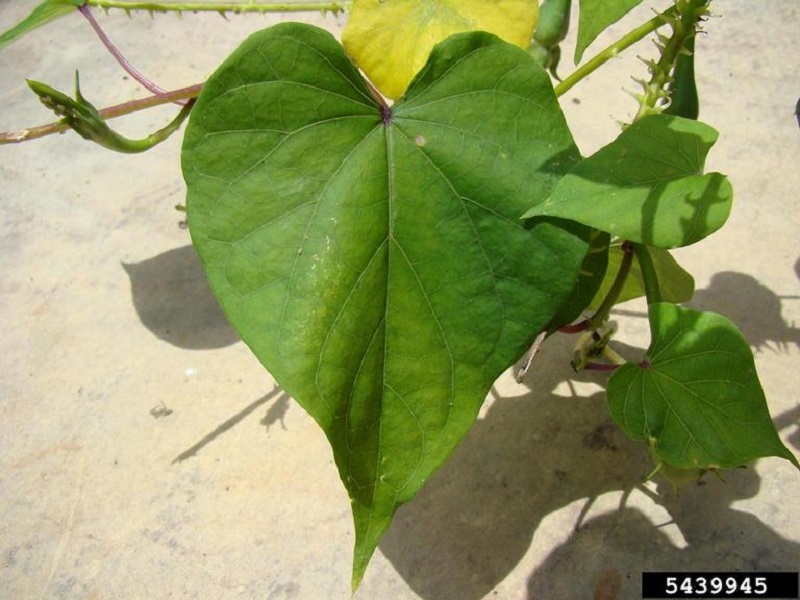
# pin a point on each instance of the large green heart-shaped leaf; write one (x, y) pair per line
(647, 185)
(373, 258)
(696, 399)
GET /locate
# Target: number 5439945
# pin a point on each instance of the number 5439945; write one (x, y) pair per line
(699, 585)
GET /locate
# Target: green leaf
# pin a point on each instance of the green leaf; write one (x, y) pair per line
(675, 283)
(47, 11)
(647, 185)
(373, 258)
(696, 398)
(595, 16)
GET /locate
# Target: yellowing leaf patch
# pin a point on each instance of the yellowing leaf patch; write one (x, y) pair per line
(390, 40)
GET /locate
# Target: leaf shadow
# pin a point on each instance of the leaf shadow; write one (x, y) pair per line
(695, 227)
(790, 418)
(528, 457)
(174, 301)
(538, 452)
(715, 537)
(752, 306)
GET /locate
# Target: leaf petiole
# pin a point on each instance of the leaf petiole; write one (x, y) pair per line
(649, 277)
(115, 52)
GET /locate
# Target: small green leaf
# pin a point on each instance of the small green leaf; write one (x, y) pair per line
(595, 16)
(647, 185)
(373, 258)
(47, 11)
(696, 398)
(675, 283)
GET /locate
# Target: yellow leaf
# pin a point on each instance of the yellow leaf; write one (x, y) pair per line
(390, 40)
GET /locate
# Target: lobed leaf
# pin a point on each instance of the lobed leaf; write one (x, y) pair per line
(697, 398)
(647, 185)
(373, 258)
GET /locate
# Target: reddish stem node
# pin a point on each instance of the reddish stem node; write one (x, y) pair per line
(575, 327)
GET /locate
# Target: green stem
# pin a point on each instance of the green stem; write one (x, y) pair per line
(118, 143)
(651, 288)
(222, 7)
(33, 133)
(601, 316)
(615, 49)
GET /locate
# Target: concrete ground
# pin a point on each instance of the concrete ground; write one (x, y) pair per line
(146, 454)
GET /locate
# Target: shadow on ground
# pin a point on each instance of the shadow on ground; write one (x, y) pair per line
(534, 454)
(173, 300)
(275, 413)
(530, 456)
(619, 546)
(754, 308)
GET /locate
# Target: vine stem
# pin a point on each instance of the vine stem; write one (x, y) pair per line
(118, 110)
(115, 52)
(615, 49)
(592, 366)
(649, 276)
(656, 96)
(222, 7)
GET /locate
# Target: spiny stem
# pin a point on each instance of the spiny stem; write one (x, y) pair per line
(655, 96)
(614, 49)
(223, 7)
(24, 135)
(115, 52)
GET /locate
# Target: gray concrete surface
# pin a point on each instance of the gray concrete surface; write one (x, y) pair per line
(107, 323)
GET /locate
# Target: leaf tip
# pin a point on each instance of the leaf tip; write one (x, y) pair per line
(360, 562)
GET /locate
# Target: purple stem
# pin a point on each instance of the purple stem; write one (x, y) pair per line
(575, 328)
(87, 12)
(600, 367)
